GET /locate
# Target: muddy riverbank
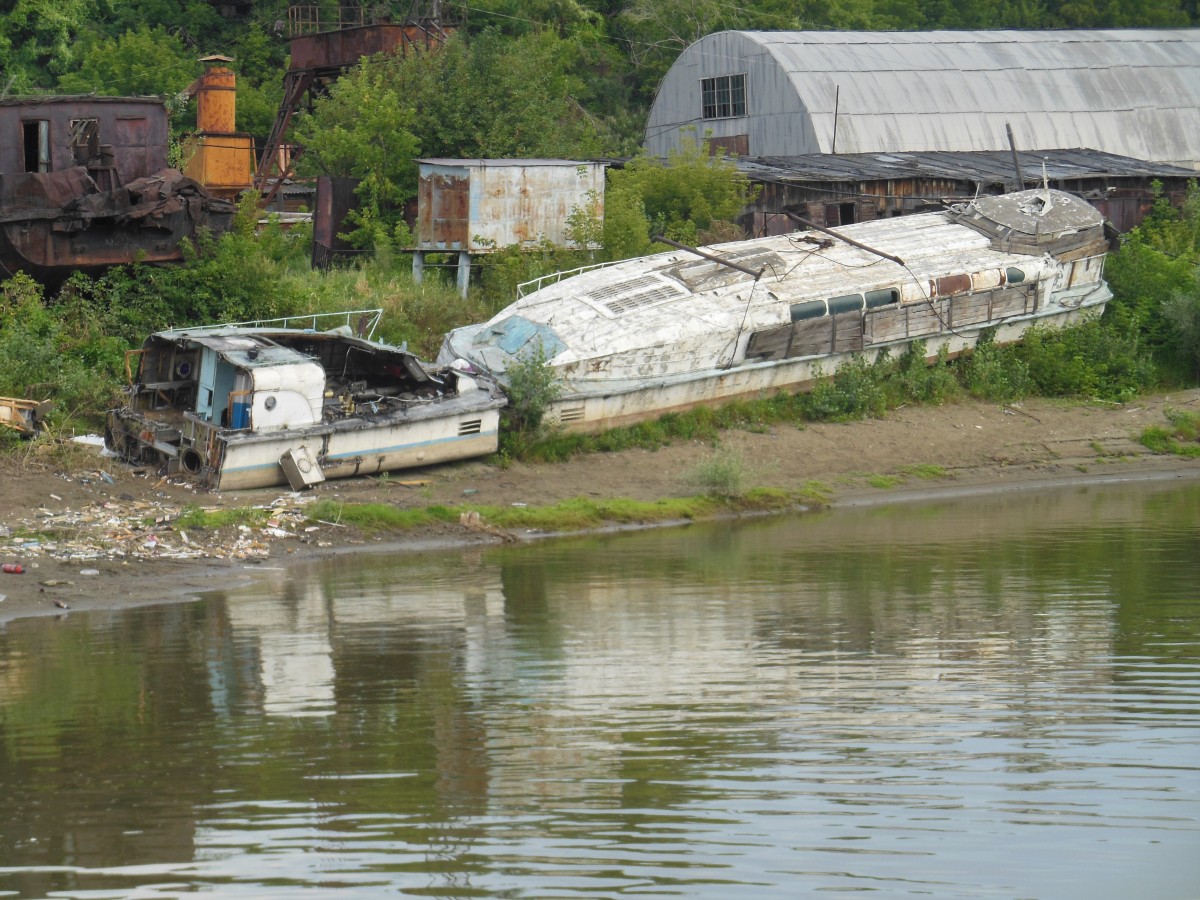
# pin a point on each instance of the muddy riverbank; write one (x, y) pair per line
(103, 536)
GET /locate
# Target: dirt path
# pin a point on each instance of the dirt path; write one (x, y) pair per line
(112, 544)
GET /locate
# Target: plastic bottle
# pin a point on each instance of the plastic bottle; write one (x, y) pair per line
(12, 568)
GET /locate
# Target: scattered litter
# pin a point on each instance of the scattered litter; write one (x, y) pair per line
(61, 605)
(56, 497)
(129, 529)
(92, 440)
(520, 504)
(469, 491)
(89, 571)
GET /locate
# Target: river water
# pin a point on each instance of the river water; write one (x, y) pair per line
(989, 697)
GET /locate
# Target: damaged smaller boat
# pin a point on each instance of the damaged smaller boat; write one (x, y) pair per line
(280, 402)
(25, 417)
(643, 337)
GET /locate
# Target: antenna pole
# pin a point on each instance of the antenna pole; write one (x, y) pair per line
(723, 262)
(842, 237)
(1012, 145)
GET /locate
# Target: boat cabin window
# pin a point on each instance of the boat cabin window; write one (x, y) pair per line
(813, 309)
(35, 137)
(884, 297)
(845, 303)
(1013, 276)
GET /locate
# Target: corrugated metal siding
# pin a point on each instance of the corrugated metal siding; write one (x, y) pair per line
(486, 205)
(1130, 92)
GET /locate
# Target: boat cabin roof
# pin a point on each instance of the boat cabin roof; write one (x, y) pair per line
(245, 350)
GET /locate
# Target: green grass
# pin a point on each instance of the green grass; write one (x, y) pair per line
(885, 482)
(577, 514)
(193, 516)
(925, 471)
(380, 516)
(1181, 438)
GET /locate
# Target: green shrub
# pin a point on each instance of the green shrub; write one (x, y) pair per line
(1093, 359)
(991, 372)
(914, 380)
(855, 391)
(532, 387)
(721, 475)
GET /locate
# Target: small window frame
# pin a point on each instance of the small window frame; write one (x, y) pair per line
(723, 97)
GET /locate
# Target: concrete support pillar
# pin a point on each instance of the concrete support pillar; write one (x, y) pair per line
(418, 266)
(464, 272)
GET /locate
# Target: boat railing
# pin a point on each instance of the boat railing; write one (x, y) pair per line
(524, 289)
(362, 322)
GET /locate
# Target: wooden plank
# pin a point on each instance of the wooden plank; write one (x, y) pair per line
(811, 337)
(886, 325)
(1010, 302)
(970, 309)
(848, 332)
(770, 343)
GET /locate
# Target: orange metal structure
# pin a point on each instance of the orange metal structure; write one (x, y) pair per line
(222, 158)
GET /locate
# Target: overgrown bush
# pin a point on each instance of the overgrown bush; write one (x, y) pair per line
(532, 387)
(1093, 359)
(995, 373)
(912, 379)
(855, 391)
(42, 356)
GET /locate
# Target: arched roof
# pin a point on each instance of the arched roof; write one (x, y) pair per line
(1135, 93)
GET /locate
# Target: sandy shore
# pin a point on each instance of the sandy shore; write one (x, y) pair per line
(101, 536)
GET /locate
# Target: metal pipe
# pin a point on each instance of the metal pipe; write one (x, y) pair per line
(842, 237)
(724, 262)
(1012, 145)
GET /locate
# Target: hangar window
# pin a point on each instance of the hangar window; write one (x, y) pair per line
(723, 97)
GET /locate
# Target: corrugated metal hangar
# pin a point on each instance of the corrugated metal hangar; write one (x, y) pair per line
(1132, 93)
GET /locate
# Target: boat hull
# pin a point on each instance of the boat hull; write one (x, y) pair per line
(589, 408)
(256, 463)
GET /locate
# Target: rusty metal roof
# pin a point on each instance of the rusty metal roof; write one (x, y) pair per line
(982, 167)
(1133, 92)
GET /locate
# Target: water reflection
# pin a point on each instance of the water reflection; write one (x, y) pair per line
(989, 697)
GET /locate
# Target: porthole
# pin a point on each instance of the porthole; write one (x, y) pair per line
(269, 404)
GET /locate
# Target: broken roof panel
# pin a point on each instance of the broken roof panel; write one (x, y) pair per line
(980, 167)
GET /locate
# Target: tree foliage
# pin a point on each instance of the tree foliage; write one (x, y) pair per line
(142, 61)
(686, 198)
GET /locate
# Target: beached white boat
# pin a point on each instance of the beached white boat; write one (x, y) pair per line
(667, 332)
(265, 403)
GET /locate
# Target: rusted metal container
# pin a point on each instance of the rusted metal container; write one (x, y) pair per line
(482, 205)
(216, 97)
(220, 157)
(49, 134)
(334, 199)
(345, 47)
(85, 185)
